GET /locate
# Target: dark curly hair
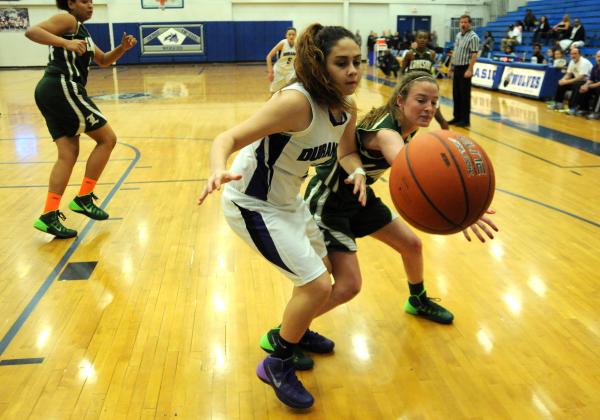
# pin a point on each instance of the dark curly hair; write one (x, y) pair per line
(63, 5)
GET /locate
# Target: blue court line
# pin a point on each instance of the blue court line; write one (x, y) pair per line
(115, 218)
(26, 361)
(130, 189)
(16, 326)
(558, 165)
(122, 137)
(143, 167)
(576, 142)
(531, 200)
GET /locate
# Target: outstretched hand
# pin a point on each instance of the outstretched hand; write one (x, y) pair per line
(128, 41)
(483, 224)
(215, 181)
(360, 186)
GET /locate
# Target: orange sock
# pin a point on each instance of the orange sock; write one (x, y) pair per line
(87, 186)
(52, 202)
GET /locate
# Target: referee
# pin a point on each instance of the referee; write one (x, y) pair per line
(466, 47)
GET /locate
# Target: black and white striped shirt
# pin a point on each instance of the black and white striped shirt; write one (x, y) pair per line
(465, 45)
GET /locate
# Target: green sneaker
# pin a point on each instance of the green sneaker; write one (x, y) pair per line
(85, 205)
(425, 307)
(301, 360)
(50, 223)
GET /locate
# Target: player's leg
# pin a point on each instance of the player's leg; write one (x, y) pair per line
(401, 238)
(84, 201)
(50, 220)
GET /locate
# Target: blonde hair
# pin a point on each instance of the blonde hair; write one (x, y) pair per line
(402, 89)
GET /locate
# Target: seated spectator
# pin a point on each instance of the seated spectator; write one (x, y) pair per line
(589, 94)
(487, 46)
(388, 63)
(578, 72)
(529, 20)
(559, 61)
(514, 36)
(562, 29)
(537, 56)
(542, 31)
(577, 37)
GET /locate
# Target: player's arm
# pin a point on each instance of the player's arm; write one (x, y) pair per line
(286, 111)
(50, 31)
(273, 52)
(106, 59)
(349, 159)
(408, 57)
(388, 142)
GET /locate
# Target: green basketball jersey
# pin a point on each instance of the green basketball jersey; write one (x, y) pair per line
(74, 67)
(374, 163)
(421, 61)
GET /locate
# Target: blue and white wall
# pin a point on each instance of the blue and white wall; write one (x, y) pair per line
(234, 30)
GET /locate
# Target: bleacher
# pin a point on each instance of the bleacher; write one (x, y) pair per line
(588, 11)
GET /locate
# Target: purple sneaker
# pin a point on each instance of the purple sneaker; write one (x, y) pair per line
(316, 343)
(280, 374)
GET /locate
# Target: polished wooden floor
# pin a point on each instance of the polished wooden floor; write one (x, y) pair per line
(168, 323)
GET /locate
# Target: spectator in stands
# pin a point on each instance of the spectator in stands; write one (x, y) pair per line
(529, 20)
(358, 38)
(578, 72)
(388, 63)
(514, 36)
(559, 61)
(537, 56)
(371, 40)
(509, 52)
(433, 41)
(487, 46)
(562, 29)
(589, 93)
(577, 37)
(542, 31)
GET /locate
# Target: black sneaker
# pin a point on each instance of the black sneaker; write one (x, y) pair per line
(50, 223)
(302, 361)
(281, 375)
(85, 205)
(316, 343)
(425, 307)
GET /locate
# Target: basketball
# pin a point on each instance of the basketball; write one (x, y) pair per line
(442, 182)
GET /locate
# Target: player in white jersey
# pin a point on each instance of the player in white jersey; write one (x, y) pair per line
(305, 124)
(283, 71)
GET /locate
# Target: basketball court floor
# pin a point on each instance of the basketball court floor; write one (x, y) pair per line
(157, 312)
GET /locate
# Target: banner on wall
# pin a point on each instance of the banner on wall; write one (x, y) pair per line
(522, 81)
(164, 4)
(14, 19)
(172, 39)
(483, 74)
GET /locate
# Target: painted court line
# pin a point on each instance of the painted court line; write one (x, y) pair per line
(16, 326)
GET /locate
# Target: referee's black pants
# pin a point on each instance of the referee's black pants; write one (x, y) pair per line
(461, 94)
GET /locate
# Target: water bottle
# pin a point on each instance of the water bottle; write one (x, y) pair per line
(534, 59)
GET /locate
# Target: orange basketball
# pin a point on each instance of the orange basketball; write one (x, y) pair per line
(442, 182)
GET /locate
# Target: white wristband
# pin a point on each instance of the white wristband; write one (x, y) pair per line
(357, 171)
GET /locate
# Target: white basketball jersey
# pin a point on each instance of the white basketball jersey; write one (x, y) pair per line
(274, 168)
(287, 55)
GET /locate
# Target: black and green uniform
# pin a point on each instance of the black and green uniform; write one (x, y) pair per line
(421, 61)
(61, 94)
(335, 207)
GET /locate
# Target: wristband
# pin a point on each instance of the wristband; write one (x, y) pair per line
(357, 171)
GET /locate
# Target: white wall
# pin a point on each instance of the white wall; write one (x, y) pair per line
(365, 15)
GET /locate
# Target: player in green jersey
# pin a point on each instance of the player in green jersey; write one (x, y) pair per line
(61, 97)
